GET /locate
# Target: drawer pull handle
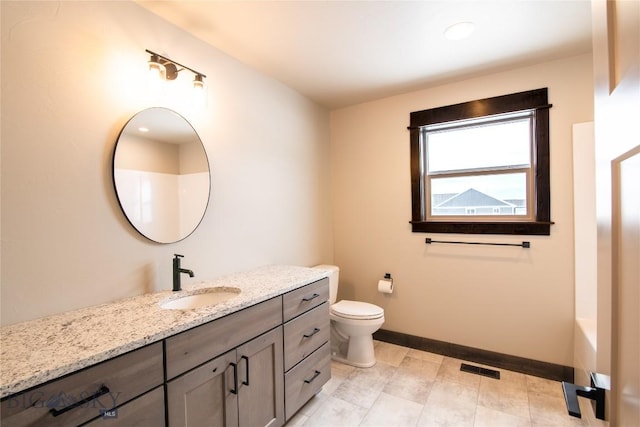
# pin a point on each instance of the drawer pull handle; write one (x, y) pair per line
(234, 390)
(246, 359)
(315, 375)
(101, 391)
(315, 331)
(307, 299)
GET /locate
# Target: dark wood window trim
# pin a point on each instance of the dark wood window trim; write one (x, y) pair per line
(530, 100)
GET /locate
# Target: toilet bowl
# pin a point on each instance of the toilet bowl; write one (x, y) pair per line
(352, 326)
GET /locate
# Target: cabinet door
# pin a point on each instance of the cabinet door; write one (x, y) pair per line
(261, 381)
(205, 396)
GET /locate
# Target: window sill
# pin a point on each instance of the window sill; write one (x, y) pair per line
(485, 227)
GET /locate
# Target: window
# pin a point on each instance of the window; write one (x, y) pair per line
(482, 166)
(478, 167)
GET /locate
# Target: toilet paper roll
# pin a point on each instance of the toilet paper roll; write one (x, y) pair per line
(385, 286)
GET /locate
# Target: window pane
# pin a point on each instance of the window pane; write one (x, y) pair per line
(485, 146)
(496, 194)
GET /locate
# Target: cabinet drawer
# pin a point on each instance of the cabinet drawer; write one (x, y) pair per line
(304, 334)
(82, 396)
(305, 298)
(145, 411)
(306, 379)
(198, 345)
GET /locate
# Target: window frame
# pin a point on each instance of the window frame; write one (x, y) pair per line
(536, 100)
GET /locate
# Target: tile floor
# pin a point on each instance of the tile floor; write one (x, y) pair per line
(409, 387)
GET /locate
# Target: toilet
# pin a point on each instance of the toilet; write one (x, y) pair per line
(352, 325)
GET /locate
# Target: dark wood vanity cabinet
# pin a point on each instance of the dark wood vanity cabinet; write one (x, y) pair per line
(255, 383)
(243, 369)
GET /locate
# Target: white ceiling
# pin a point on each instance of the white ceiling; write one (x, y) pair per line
(340, 53)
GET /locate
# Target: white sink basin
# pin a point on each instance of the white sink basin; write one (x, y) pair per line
(202, 298)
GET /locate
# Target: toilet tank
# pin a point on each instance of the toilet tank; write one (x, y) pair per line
(334, 272)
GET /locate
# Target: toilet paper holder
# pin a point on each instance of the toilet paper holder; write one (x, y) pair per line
(385, 285)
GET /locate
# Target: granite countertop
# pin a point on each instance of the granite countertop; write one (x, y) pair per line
(40, 350)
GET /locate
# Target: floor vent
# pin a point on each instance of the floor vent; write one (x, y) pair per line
(480, 371)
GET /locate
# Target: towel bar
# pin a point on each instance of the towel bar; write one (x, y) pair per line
(526, 245)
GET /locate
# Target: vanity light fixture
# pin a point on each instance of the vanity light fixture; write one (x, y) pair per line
(163, 67)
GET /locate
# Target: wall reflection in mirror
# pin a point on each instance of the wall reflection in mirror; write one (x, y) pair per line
(161, 175)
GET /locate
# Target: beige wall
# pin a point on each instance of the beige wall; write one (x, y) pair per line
(73, 73)
(503, 299)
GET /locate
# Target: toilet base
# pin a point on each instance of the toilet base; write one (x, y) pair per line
(349, 362)
(359, 352)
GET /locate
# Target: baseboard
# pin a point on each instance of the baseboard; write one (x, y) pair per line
(523, 365)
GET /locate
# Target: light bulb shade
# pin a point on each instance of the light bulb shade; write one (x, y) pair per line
(156, 69)
(199, 92)
(198, 83)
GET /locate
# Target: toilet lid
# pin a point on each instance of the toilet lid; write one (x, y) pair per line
(357, 310)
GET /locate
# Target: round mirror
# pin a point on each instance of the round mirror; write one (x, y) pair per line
(161, 175)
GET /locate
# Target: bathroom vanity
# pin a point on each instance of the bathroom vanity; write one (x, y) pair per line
(252, 360)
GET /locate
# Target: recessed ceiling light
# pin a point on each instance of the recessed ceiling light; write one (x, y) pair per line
(459, 31)
(143, 129)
